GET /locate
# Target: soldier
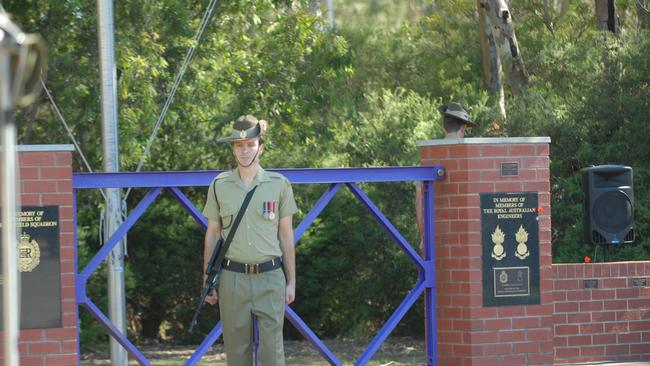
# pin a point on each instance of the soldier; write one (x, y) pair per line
(455, 121)
(251, 282)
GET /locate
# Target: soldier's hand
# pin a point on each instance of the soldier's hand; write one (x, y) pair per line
(212, 297)
(290, 293)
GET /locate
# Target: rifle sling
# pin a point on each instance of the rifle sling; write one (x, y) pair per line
(231, 233)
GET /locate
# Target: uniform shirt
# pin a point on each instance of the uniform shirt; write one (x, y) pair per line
(256, 238)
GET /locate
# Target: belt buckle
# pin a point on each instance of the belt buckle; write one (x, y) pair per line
(252, 268)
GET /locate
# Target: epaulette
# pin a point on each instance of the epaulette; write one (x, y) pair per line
(274, 175)
(223, 175)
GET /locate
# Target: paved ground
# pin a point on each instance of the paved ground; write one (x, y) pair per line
(643, 363)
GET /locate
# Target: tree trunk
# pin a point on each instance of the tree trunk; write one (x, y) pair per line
(643, 13)
(499, 20)
(29, 116)
(485, 52)
(492, 74)
(606, 16)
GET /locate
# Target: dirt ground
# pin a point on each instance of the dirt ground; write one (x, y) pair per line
(401, 351)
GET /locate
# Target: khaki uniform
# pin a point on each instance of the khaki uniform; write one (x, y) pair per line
(255, 241)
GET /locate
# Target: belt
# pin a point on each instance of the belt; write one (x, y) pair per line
(252, 268)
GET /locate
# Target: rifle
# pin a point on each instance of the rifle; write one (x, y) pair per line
(211, 281)
(217, 257)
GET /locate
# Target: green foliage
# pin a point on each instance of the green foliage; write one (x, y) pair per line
(345, 256)
(92, 334)
(361, 94)
(611, 126)
(387, 131)
(165, 250)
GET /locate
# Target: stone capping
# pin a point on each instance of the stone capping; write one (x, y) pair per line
(42, 148)
(486, 140)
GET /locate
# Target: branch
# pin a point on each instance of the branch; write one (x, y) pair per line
(500, 19)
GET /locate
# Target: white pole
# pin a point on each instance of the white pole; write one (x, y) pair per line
(330, 12)
(11, 284)
(21, 58)
(116, 293)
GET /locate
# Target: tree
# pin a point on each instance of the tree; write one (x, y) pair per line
(643, 13)
(606, 15)
(492, 70)
(498, 18)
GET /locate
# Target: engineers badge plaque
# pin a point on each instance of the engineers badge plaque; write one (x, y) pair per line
(510, 241)
(39, 267)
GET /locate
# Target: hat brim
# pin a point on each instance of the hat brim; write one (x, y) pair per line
(467, 121)
(463, 117)
(241, 135)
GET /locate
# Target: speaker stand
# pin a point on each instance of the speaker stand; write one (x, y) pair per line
(606, 249)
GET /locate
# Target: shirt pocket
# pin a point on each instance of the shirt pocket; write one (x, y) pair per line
(227, 217)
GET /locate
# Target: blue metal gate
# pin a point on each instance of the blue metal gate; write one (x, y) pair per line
(335, 179)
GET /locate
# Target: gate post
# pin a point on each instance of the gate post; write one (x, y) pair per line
(48, 334)
(469, 332)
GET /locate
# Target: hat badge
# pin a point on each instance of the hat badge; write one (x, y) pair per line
(242, 134)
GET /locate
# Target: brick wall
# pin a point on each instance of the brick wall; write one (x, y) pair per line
(573, 323)
(468, 333)
(46, 180)
(607, 323)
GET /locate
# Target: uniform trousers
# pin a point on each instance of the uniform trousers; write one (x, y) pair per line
(240, 297)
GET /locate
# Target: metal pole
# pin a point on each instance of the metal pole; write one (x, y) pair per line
(22, 56)
(116, 293)
(330, 12)
(11, 285)
(431, 339)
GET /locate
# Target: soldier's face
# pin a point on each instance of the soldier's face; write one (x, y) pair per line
(247, 151)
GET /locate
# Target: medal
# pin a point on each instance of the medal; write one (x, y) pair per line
(265, 210)
(272, 211)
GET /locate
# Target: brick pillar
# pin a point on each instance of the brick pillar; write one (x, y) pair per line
(470, 334)
(46, 180)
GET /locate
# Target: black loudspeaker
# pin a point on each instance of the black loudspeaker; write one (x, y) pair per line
(608, 205)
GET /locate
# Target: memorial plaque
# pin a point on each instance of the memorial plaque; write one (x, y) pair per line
(511, 281)
(510, 241)
(39, 267)
(509, 169)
